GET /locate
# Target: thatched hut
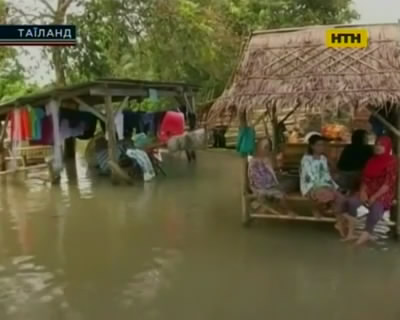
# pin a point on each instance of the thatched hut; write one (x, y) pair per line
(292, 71)
(292, 68)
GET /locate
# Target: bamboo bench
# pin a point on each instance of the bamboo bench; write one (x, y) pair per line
(289, 164)
(248, 198)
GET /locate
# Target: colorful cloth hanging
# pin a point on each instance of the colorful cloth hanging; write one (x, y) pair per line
(172, 125)
(246, 142)
(143, 160)
(20, 125)
(36, 116)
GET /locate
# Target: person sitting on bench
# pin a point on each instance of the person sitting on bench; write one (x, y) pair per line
(353, 160)
(262, 178)
(378, 185)
(317, 183)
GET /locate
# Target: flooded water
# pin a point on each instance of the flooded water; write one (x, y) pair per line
(174, 249)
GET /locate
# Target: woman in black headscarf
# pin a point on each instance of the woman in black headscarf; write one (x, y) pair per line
(353, 159)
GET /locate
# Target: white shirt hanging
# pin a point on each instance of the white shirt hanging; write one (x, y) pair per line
(119, 124)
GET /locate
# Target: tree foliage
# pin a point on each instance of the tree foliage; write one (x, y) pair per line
(12, 80)
(196, 41)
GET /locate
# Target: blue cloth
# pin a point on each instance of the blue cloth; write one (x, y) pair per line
(147, 122)
(141, 140)
(377, 127)
(246, 143)
(102, 160)
(37, 123)
(90, 124)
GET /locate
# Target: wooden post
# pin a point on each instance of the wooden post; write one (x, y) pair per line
(245, 202)
(3, 134)
(243, 122)
(70, 147)
(275, 130)
(110, 127)
(398, 177)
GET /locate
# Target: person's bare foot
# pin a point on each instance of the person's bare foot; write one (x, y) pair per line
(363, 239)
(340, 228)
(349, 238)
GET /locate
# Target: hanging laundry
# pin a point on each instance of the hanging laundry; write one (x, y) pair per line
(47, 131)
(26, 124)
(147, 121)
(20, 125)
(143, 161)
(141, 140)
(131, 122)
(119, 125)
(197, 139)
(52, 108)
(90, 121)
(66, 131)
(172, 125)
(189, 141)
(72, 116)
(36, 115)
(153, 94)
(246, 142)
(191, 117)
(158, 119)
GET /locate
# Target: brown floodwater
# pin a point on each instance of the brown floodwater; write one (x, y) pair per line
(174, 249)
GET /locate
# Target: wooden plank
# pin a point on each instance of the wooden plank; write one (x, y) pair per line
(244, 184)
(287, 217)
(88, 108)
(2, 149)
(99, 91)
(39, 166)
(134, 93)
(122, 106)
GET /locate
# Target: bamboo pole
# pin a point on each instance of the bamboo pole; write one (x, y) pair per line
(245, 200)
(398, 178)
(243, 122)
(2, 148)
(385, 122)
(112, 142)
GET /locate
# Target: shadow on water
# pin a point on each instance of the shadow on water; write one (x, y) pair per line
(175, 249)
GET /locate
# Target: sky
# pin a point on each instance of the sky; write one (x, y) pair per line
(371, 11)
(378, 11)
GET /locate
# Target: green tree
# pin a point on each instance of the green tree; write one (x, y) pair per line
(47, 13)
(12, 80)
(195, 41)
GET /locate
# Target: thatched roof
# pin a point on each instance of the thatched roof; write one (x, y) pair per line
(293, 66)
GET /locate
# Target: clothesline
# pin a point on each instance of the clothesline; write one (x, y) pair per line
(36, 125)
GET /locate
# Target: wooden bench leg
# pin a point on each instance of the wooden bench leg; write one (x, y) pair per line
(160, 169)
(246, 218)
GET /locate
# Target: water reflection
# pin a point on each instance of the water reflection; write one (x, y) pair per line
(175, 249)
(26, 287)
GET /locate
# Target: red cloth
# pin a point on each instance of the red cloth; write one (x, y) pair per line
(172, 125)
(376, 165)
(20, 125)
(381, 170)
